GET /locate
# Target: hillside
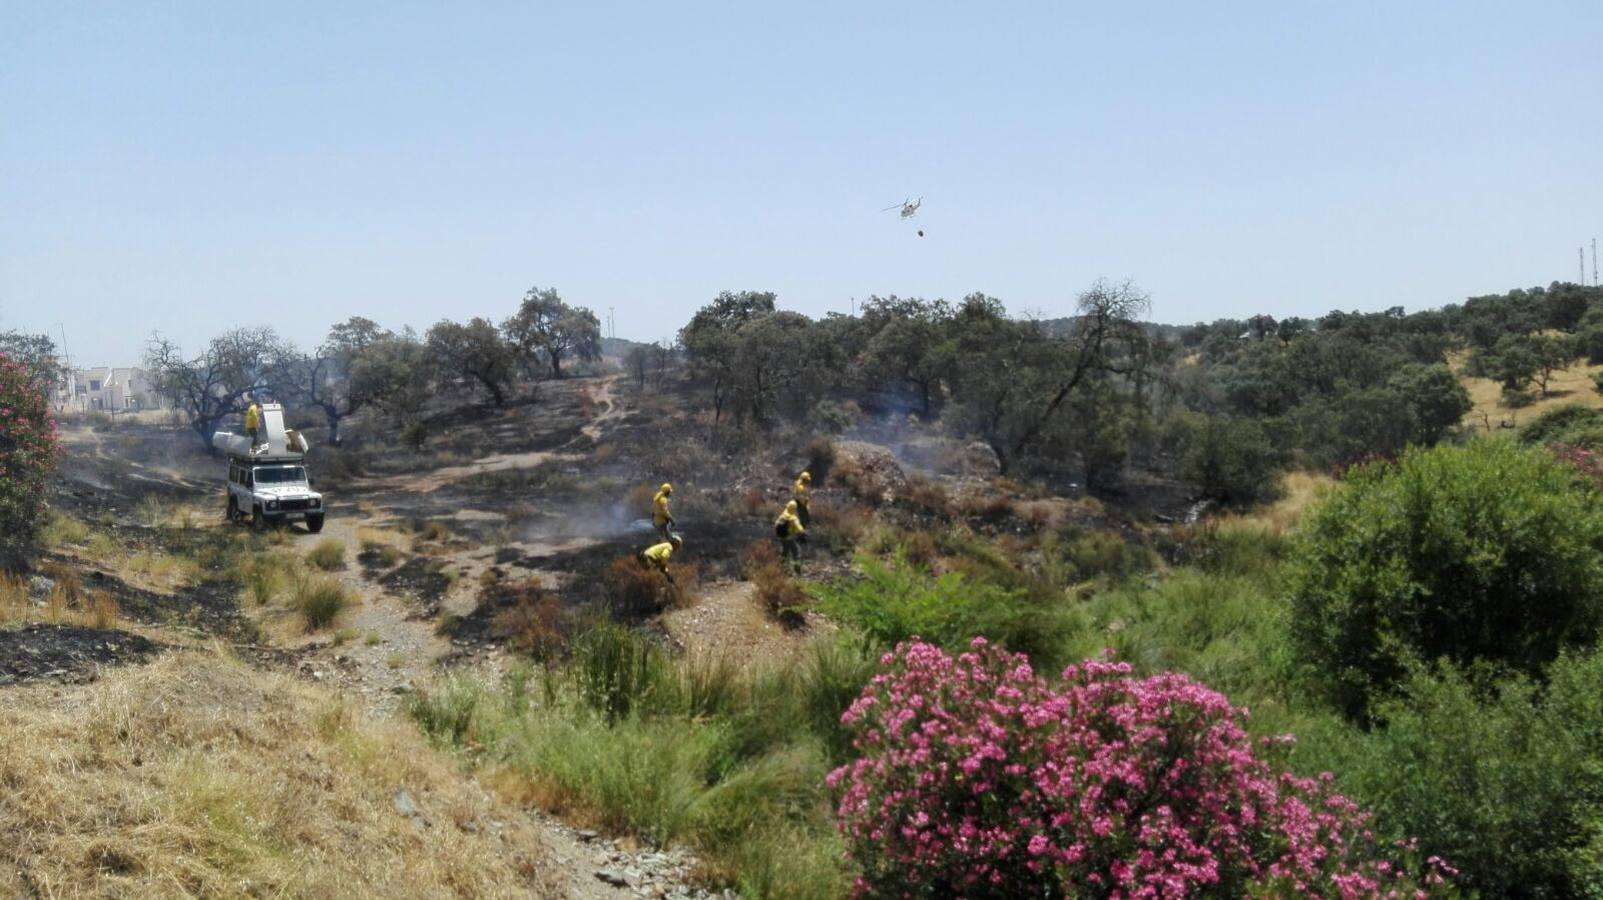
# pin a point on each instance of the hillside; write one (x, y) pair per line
(490, 693)
(1570, 385)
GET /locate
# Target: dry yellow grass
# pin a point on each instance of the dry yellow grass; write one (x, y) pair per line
(370, 538)
(63, 531)
(67, 604)
(197, 776)
(153, 570)
(161, 572)
(1297, 491)
(1572, 385)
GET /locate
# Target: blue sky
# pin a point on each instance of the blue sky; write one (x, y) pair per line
(191, 167)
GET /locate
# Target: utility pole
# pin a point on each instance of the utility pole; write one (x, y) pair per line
(71, 378)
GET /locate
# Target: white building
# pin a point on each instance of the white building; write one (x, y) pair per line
(109, 389)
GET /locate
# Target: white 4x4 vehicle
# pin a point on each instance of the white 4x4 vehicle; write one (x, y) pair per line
(267, 481)
(273, 493)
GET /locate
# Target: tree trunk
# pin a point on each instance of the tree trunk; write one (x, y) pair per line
(556, 364)
(205, 428)
(497, 396)
(333, 427)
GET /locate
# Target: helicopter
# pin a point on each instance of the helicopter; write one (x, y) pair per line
(909, 208)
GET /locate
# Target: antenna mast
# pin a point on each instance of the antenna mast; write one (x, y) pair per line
(1580, 253)
(1594, 262)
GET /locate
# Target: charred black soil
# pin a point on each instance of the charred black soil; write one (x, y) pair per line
(67, 653)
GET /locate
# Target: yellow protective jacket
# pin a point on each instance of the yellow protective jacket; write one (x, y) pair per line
(801, 489)
(659, 553)
(659, 508)
(788, 525)
(253, 418)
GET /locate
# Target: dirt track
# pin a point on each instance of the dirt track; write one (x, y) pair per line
(393, 642)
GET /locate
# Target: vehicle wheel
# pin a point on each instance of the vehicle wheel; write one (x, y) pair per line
(314, 524)
(258, 522)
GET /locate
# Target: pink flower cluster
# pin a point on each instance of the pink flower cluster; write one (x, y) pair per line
(978, 779)
(1586, 462)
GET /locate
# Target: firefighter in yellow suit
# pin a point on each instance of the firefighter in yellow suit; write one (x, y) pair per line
(657, 555)
(801, 492)
(661, 518)
(253, 423)
(790, 531)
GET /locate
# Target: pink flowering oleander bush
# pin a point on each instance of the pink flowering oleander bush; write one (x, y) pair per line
(978, 779)
(27, 454)
(1587, 462)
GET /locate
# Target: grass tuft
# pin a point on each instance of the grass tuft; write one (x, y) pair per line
(62, 531)
(320, 601)
(328, 555)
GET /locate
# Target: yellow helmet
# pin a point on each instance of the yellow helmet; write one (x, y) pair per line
(666, 488)
(676, 540)
(806, 476)
(790, 507)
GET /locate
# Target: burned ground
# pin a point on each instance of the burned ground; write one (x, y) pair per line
(422, 581)
(67, 653)
(556, 488)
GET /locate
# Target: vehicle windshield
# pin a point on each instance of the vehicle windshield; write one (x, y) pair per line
(280, 475)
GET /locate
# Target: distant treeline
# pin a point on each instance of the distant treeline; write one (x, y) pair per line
(1097, 397)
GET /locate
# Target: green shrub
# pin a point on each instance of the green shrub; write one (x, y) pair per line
(617, 672)
(1231, 460)
(1487, 551)
(832, 676)
(708, 755)
(895, 602)
(1227, 630)
(1507, 787)
(1574, 425)
(1108, 553)
(328, 555)
(320, 601)
(28, 451)
(1232, 549)
(446, 713)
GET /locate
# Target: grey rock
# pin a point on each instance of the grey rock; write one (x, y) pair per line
(405, 805)
(613, 877)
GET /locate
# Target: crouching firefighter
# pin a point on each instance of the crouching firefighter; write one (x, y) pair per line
(790, 532)
(657, 555)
